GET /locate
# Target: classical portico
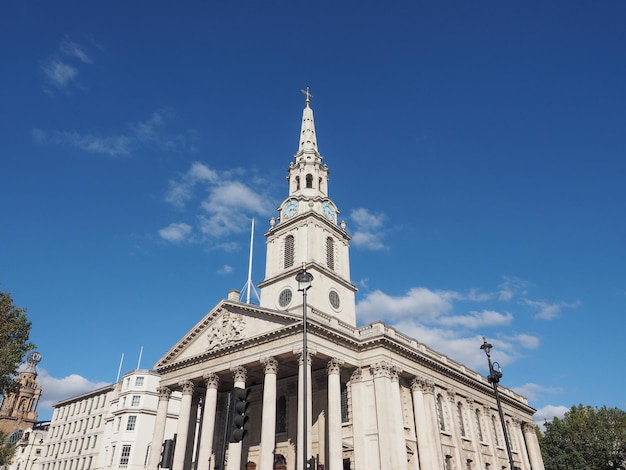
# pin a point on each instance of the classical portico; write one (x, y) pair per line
(375, 398)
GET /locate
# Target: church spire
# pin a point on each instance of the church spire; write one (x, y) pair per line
(308, 140)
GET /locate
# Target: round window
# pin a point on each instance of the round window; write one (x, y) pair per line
(285, 297)
(333, 296)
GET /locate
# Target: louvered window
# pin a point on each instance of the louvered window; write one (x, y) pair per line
(289, 251)
(330, 253)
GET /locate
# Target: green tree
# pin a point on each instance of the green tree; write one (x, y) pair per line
(6, 451)
(14, 344)
(587, 438)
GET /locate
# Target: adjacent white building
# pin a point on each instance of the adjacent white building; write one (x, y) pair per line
(107, 428)
(372, 398)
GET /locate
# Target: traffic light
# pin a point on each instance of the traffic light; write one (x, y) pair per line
(167, 452)
(238, 413)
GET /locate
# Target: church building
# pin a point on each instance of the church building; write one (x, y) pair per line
(324, 393)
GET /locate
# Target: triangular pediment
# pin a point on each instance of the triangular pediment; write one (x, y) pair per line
(228, 324)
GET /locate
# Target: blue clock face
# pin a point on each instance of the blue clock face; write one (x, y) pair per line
(329, 210)
(290, 209)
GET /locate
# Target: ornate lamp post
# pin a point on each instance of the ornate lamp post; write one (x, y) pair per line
(494, 378)
(304, 279)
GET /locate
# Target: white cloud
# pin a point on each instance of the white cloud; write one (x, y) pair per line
(176, 232)
(419, 301)
(547, 310)
(141, 133)
(478, 319)
(368, 232)
(511, 287)
(59, 73)
(57, 389)
(549, 412)
(226, 269)
(532, 391)
(224, 205)
(72, 49)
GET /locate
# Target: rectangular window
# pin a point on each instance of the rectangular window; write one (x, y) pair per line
(139, 382)
(112, 456)
(136, 399)
(130, 425)
(124, 456)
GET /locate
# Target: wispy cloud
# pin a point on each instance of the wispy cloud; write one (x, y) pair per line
(512, 287)
(175, 232)
(369, 229)
(62, 68)
(532, 391)
(226, 269)
(547, 310)
(549, 412)
(136, 135)
(223, 205)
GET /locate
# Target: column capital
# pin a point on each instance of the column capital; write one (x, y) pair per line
(300, 358)
(395, 373)
(239, 373)
(381, 369)
(451, 395)
(527, 426)
(270, 365)
(334, 366)
(470, 403)
(423, 384)
(187, 386)
(164, 393)
(357, 375)
(211, 380)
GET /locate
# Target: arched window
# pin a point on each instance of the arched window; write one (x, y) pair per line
(309, 180)
(479, 427)
(495, 430)
(330, 253)
(281, 414)
(297, 183)
(442, 422)
(344, 403)
(459, 411)
(289, 251)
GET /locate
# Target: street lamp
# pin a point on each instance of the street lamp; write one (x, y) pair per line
(494, 378)
(304, 279)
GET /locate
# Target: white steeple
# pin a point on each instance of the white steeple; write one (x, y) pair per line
(306, 231)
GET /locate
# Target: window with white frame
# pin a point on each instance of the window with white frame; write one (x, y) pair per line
(138, 381)
(135, 401)
(132, 421)
(124, 456)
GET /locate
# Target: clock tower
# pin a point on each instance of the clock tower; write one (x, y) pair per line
(306, 232)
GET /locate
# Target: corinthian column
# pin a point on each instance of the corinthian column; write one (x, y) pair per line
(234, 448)
(398, 424)
(159, 427)
(335, 461)
(534, 453)
(424, 446)
(208, 422)
(268, 423)
(184, 416)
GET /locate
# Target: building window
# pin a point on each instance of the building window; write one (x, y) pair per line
(297, 183)
(330, 253)
(479, 427)
(442, 423)
(508, 430)
(285, 297)
(333, 297)
(124, 456)
(281, 414)
(138, 381)
(112, 456)
(459, 410)
(448, 464)
(147, 459)
(344, 403)
(136, 400)
(495, 430)
(118, 423)
(289, 251)
(132, 421)
(309, 180)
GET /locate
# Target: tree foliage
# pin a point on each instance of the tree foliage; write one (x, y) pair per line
(6, 451)
(14, 344)
(586, 438)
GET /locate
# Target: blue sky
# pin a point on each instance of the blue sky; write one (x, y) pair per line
(476, 153)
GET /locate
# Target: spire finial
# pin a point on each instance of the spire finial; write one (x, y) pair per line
(308, 95)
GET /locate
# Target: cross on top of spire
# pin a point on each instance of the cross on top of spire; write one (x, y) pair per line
(308, 95)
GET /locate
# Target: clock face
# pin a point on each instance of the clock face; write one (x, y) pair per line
(290, 209)
(328, 210)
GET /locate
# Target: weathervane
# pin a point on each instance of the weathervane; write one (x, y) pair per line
(308, 95)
